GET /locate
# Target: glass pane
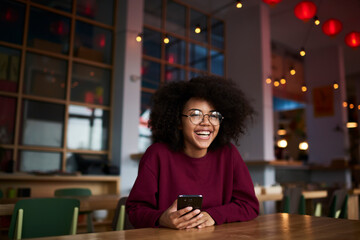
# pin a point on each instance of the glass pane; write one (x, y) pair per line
(9, 69)
(90, 84)
(174, 74)
(6, 160)
(33, 161)
(198, 19)
(98, 10)
(63, 5)
(7, 119)
(11, 17)
(42, 124)
(86, 163)
(87, 128)
(175, 18)
(217, 63)
(175, 51)
(144, 131)
(45, 76)
(217, 33)
(195, 74)
(152, 15)
(150, 74)
(93, 43)
(152, 43)
(48, 31)
(198, 57)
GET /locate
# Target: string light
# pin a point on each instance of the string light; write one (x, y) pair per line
(303, 146)
(283, 80)
(292, 70)
(268, 80)
(345, 104)
(166, 39)
(238, 4)
(336, 85)
(351, 106)
(316, 21)
(302, 52)
(139, 37)
(276, 83)
(197, 29)
(303, 88)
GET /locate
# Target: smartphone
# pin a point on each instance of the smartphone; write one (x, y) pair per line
(194, 201)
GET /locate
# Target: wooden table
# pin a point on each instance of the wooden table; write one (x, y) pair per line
(90, 203)
(271, 226)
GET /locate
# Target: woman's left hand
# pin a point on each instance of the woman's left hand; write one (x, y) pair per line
(205, 221)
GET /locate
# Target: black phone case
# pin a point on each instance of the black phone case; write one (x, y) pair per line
(194, 201)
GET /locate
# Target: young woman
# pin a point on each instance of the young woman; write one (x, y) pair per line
(193, 124)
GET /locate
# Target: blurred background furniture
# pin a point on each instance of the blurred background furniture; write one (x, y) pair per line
(44, 217)
(121, 219)
(78, 192)
(293, 201)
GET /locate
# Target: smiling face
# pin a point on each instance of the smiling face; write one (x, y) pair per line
(198, 137)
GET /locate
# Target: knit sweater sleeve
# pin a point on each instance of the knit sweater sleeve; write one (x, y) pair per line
(141, 205)
(244, 204)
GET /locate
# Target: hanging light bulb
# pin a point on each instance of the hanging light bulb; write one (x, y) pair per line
(139, 37)
(238, 4)
(335, 85)
(197, 28)
(345, 104)
(302, 52)
(303, 146)
(316, 21)
(303, 88)
(268, 80)
(283, 80)
(281, 131)
(166, 39)
(282, 143)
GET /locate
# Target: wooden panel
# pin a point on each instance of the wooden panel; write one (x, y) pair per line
(44, 186)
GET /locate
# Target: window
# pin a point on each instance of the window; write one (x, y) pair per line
(55, 82)
(188, 54)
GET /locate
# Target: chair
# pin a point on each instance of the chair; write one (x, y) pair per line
(78, 192)
(338, 204)
(42, 217)
(293, 201)
(121, 219)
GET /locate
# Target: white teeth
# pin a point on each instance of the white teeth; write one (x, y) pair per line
(203, 133)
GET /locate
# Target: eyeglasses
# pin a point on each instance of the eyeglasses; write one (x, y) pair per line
(197, 116)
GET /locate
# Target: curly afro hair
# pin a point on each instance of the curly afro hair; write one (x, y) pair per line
(169, 100)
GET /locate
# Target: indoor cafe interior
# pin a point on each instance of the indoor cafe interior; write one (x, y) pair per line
(77, 79)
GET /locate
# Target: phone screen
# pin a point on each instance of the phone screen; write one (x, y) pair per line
(194, 201)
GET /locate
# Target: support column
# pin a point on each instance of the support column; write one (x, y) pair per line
(248, 47)
(126, 93)
(325, 115)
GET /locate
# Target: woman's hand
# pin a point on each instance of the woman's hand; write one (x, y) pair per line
(176, 219)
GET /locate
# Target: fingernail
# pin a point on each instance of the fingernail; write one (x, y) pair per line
(196, 211)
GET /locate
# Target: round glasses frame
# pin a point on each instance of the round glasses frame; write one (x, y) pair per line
(198, 118)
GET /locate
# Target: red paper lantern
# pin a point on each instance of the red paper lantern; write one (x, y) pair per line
(305, 10)
(332, 27)
(272, 2)
(353, 39)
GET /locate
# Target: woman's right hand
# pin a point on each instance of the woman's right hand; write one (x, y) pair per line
(174, 218)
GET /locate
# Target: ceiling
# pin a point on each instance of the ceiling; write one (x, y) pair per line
(293, 33)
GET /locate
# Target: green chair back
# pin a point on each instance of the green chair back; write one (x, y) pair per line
(121, 219)
(293, 201)
(73, 192)
(68, 192)
(339, 204)
(42, 217)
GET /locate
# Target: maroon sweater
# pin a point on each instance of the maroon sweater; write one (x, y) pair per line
(221, 176)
